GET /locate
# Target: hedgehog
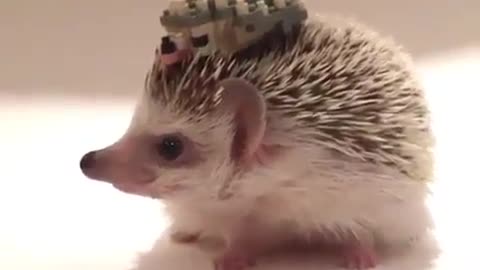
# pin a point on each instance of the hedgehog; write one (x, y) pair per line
(319, 136)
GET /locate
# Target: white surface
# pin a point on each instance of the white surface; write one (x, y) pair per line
(53, 218)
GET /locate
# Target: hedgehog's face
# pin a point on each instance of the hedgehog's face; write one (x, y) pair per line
(165, 155)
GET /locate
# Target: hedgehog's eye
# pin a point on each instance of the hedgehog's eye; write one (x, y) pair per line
(170, 147)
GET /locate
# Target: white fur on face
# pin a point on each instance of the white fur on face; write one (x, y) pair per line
(202, 179)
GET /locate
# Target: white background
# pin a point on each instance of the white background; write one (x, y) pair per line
(57, 56)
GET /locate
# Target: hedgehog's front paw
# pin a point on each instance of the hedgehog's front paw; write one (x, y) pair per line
(183, 237)
(359, 257)
(233, 260)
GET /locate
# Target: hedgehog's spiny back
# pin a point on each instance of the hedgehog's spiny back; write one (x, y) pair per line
(190, 85)
(351, 89)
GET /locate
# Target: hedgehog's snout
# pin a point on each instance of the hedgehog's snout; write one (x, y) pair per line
(124, 162)
(94, 165)
(89, 165)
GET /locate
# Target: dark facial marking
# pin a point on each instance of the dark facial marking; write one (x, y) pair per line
(87, 161)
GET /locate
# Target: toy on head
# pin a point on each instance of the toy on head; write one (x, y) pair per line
(204, 27)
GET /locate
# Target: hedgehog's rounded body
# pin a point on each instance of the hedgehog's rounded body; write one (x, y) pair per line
(347, 122)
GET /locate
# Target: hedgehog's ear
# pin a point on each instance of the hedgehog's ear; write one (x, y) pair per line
(244, 101)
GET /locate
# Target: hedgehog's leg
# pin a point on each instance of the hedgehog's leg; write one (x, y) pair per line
(238, 255)
(183, 232)
(233, 259)
(246, 242)
(184, 237)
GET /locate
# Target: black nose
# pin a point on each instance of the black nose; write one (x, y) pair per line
(87, 161)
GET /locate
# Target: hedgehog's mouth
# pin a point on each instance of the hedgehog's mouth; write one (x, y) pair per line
(131, 187)
(147, 189)
(141, 188)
